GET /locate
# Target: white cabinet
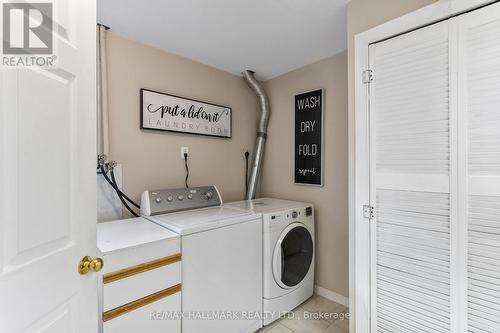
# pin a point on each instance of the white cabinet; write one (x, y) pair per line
(141, 280)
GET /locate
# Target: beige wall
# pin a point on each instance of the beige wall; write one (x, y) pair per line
(152, 160)
(330, 200)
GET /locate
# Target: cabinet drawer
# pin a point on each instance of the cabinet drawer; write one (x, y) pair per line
(150, 318)
(137, 255)
(132, 283)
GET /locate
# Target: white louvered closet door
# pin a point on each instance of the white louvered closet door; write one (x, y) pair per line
(410, 176)
(479, 209)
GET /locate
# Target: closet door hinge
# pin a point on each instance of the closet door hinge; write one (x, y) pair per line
(367, 76)
(368, 212)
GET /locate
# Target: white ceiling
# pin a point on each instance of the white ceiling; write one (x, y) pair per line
(271, 37)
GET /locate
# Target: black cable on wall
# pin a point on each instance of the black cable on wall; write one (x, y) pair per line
(247, 155)
(187, 169)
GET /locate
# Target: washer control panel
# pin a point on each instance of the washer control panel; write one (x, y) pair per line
(154, 202)
(299, 213)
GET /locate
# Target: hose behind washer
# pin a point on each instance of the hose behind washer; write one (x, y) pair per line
(120, 194)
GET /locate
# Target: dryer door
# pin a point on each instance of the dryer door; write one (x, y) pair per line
(293, 255)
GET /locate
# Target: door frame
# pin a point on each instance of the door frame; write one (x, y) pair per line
(359, 148)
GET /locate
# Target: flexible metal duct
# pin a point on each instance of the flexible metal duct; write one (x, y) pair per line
(265, 111)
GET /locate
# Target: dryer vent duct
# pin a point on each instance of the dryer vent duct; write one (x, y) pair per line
(261, 131)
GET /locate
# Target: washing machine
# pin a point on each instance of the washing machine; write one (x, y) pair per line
(221, 258)
(288, 253)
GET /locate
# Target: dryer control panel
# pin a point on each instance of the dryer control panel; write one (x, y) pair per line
(154, 202)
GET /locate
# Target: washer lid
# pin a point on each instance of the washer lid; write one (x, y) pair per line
(267, 205)
(189, 222)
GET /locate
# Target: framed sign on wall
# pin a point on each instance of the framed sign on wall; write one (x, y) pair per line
(164, 112)
(309, 138)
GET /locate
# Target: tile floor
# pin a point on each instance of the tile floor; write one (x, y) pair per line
(296, 323)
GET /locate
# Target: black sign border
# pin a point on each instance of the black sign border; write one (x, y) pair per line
(182, 132)
(323, 93)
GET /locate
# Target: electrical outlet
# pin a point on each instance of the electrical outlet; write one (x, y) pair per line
(184, 150)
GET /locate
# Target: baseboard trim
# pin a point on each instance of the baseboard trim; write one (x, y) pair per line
(331, 295)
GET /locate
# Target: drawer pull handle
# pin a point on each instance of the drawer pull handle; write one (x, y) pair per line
(141, 268)
(121, 310)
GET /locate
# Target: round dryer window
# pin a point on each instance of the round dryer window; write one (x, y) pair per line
(293, 255)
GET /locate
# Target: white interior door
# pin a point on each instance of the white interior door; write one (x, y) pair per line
(479, 96)
(412, 182)
(47, 184)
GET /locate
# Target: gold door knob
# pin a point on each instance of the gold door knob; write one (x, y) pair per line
(88, 264)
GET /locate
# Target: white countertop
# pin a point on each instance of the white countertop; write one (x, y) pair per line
(121, 234)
